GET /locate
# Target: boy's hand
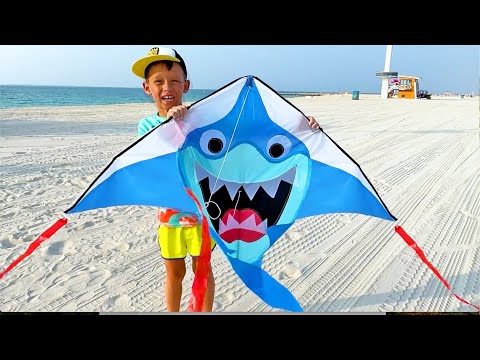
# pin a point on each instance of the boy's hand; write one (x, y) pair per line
(313, 123)
(177, 112)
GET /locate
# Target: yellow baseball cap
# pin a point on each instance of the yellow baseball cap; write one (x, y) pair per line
(157, 54)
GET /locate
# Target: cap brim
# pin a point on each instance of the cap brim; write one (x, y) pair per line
(141, 64)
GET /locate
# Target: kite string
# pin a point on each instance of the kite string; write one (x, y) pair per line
(218, 207)
(228, 149)
(208, 212)
(238, 199)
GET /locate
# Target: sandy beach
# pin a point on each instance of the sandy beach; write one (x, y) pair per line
(422, 156)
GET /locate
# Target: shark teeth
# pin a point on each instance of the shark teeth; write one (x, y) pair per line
(270, 186)
(248, 224)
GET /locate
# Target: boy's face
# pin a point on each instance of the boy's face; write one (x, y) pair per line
(166, 86)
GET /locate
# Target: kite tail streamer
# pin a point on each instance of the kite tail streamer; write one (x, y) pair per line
(202, 272)
(265, 286)
(422, 256)
(36, 243)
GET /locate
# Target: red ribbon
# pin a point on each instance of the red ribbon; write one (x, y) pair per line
(36, 243)
(422, 256)
(202, 272)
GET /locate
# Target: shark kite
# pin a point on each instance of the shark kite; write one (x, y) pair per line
(245, 159)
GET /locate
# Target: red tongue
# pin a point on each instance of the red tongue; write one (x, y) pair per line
(241, 215)
(237, 233)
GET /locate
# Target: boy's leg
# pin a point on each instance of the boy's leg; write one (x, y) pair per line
(173, 250)
(173, 284)
(210, 293)
(193, 240)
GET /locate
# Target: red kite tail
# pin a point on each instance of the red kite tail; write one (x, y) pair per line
(422, 256)
(200, 281)
(36, 243)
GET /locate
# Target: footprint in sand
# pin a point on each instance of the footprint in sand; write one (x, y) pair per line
(122, 247)
(290, 271)
(227, 296)
(34, 292)
(344, 219)
(123, 301)
(295, 235)
(6, 244)
(20, 235)
(61, 267)
(29, 238)
(217, 306)
(86, 225)
(57, 249)
(77, 282)
(98, 277)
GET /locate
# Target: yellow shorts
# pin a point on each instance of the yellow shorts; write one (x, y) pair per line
(175, 242)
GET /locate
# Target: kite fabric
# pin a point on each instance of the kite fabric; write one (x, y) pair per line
(247, 162)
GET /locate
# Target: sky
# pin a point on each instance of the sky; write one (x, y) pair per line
(309, 68)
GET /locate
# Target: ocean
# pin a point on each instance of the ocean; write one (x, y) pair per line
(15, 96)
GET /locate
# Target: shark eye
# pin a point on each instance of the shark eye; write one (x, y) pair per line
(212, 142)
(278, 146)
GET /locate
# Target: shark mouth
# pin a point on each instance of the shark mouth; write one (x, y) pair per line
(244, 211)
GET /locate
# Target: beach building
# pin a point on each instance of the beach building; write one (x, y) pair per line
(408, 86)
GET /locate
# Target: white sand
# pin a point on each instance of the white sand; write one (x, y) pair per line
(423, 157)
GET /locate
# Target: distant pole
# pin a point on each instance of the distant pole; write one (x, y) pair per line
(388, 58)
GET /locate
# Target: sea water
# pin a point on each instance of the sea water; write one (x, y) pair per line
(15, 96)
(24, 96)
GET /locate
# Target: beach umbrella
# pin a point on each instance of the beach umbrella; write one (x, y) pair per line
(247, 162)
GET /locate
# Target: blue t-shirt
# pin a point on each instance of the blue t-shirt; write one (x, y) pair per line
(148, 123)
(167, 217)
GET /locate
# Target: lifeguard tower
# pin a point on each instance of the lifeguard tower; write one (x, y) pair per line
(406, 87)
(386, 74)
(399, 86)
(388, 79)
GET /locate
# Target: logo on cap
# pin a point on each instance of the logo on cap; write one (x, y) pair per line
(153, 51)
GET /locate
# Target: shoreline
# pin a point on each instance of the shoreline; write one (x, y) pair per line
(330, 95)
(83, 109)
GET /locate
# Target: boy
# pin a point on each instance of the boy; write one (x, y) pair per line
(165, 78)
